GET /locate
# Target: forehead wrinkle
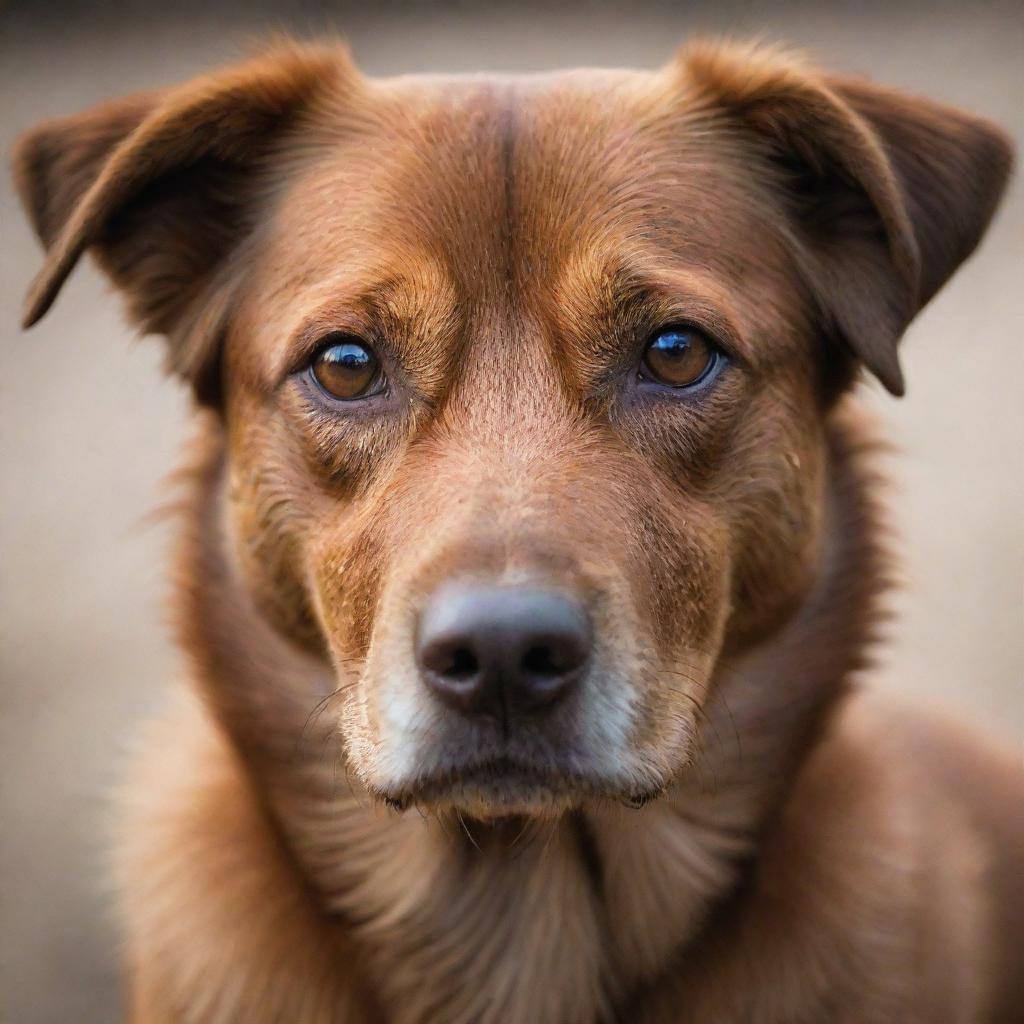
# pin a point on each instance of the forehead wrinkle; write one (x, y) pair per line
(649, 158)
(429, 180)
(450, 185)
(590, 166)
(473, 216)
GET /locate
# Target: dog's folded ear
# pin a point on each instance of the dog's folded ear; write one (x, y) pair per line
(162, 188)
(889, 193)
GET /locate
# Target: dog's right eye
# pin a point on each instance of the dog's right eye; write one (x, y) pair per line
(347, 368)
(680, 357)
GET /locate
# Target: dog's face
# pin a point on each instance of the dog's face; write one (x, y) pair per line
(526, 369)
(524, 384)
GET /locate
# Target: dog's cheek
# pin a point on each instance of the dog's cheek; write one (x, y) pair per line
(347, 571)
(688, 579)
(775, 507)
(270, 512)
(680, 571)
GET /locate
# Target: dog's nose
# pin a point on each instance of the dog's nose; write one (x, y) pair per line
(502, 651)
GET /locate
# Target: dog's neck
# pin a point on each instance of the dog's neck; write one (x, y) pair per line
(553, 921)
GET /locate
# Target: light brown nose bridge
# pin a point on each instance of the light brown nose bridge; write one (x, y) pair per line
(499, 520)
(498, 499)
(509, 384)
(500, 472)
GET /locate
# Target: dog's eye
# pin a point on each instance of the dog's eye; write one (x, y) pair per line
(347, 368)
(680, 357)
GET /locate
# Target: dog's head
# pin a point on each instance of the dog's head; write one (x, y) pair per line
(523, 382)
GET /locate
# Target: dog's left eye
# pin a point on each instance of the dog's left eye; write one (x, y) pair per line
(680, 357)
(347, 368)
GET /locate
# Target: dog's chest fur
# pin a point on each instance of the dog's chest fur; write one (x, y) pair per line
(557, 922)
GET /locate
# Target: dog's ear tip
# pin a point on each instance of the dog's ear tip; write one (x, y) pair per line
(30, 318)
(997, 146)
(891, 377)
(896, 388)
(37, 302)
(881, 359)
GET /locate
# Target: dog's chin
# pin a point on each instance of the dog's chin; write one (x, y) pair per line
(502, 789)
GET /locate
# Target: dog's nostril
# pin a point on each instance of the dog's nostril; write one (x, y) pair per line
(544, 661)
(462, 664)
(449, 660)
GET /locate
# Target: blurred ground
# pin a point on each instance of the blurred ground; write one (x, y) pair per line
(88, 428)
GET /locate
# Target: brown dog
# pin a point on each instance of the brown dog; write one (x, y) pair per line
(529, 497)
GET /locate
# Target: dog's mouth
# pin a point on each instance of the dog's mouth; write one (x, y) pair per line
(506, 787)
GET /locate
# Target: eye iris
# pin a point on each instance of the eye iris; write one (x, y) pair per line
(679, 357)
(346, 369)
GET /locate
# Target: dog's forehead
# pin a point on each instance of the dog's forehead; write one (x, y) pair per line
(486, 192)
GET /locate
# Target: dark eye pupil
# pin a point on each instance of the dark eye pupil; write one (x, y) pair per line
(679, 357)
(347, 369)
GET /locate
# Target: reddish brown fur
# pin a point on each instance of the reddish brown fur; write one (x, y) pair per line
(508, 245)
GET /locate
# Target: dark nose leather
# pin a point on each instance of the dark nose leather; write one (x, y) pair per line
(502, 651)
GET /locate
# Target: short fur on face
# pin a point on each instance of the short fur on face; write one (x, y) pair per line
(508, 247)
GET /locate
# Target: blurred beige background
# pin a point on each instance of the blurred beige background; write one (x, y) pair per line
(88, 428)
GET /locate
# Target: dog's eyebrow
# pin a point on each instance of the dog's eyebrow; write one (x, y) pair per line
(600, 297)
(415, 318)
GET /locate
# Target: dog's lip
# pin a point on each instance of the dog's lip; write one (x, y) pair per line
(508, 781)
(493, 775)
